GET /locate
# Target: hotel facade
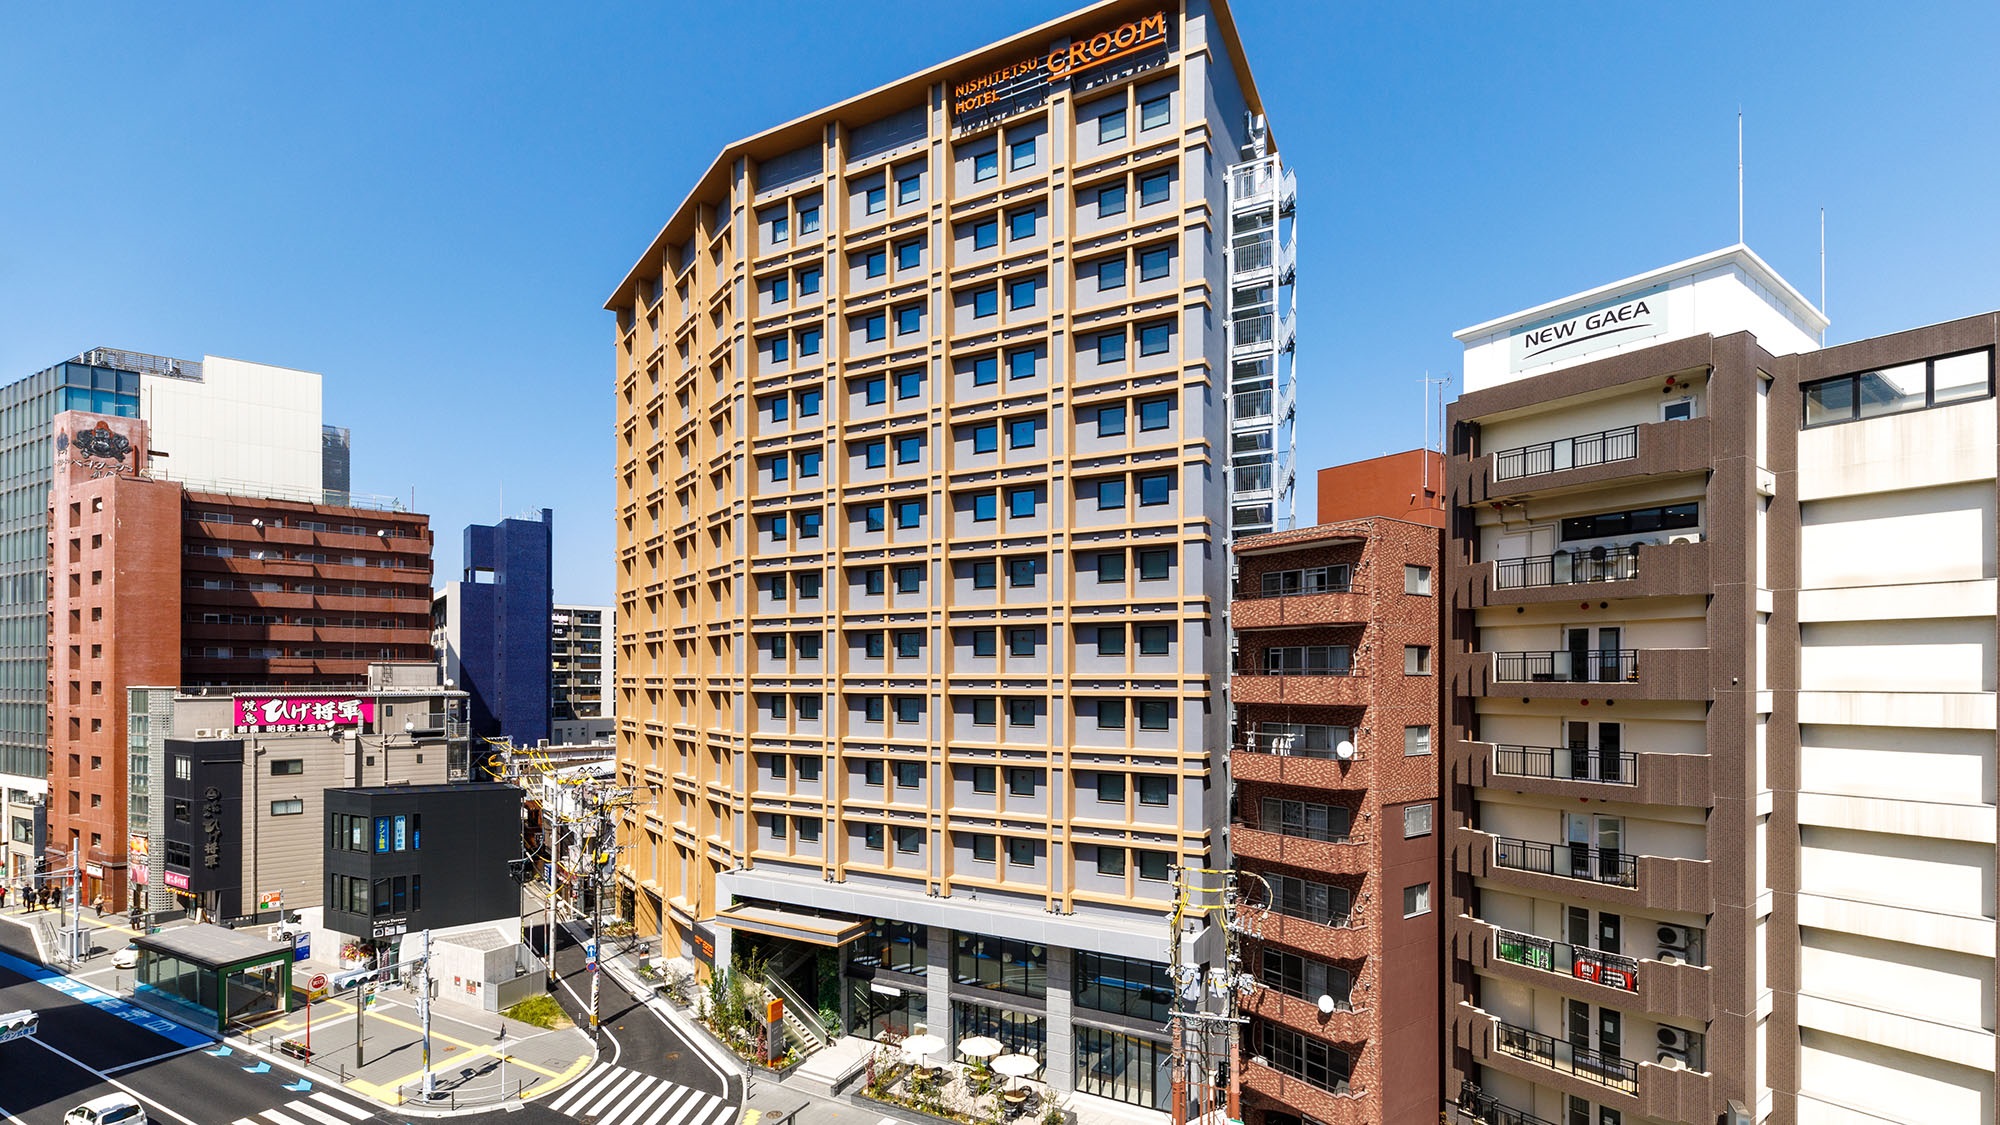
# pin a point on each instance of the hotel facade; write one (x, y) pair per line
(1720, 769)
(931, 407)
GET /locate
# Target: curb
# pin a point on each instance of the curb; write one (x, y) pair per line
(718, 1057)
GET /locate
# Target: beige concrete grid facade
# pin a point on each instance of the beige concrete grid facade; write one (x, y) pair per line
(923, 504)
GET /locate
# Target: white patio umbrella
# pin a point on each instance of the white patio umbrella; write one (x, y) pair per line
(980, 1046)
(918, 1047)
(1015, 1066)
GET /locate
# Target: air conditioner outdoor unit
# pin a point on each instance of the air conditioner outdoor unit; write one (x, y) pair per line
(1689, 537)
(1675, 941)
(203, 732)
(1675, 1040)
(1672, 1060)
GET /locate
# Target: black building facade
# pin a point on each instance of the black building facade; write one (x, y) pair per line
(403, 858)
(204, 827)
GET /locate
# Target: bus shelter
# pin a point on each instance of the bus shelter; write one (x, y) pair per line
(213, 977)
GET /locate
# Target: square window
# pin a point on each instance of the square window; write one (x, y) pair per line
(1154, 413)
(1021, 364)
(1155, 188)
(1021, 433)
(1110, 200)
(1021, 224)
(871, 645)
(984, 644)
(809, 281)
(871, 837)
(1020, 642)
(1416, 741)
(1110, 714)
(1021, 294)
(985, 371)
(1154, 639)
(909, 255)
(984, 713)
(1110, 860)
(909, 580)
(909, 189)
(986, 437)
(777, 704)
(809, 588)
(809, 219)
(1111, 347)
(1020, 713)
(909, 449)
(875, 391)
(1110, 787)
(909, 318)
(1020, 852)
(1154, 714)
(781, 228)
(909, 840)
(909, 709)
(1021, 782)
(1110, 494)
(872, 709)
(1111, 640)
(1111, 566)
(1110, 274)
(806, 645)
(809, 463)
(877, 200)
(809, 525)
(871, 582)
(781, 349)
(1416, 821)
(1416, 900)
(807, 828)
(1021, 154)
(780, 408)
(809, 341)
(1021, 503)
(1155, 262)
(875, 454)
(781, 468)
(983, 779)
(1153, 865)
(984, 577)
(875, 327)
(986, 234)
(808, 709)
(780, 527)
(909, 513)
(778, 824)
(1020, 572)
(1155, 789)
(1155, 488)
(1111, 126)
(1416, 660)
(982, 847)
(1416, 579)
(1155, 112)
(1110, 421)
(985, 166)
(781, 288)
(985, 302)
(872, 518)
(985, 507)
(871, 772)
(777, 644)
(1154, 338)
(875, 263)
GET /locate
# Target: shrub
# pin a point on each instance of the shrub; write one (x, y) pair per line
(541, 1011)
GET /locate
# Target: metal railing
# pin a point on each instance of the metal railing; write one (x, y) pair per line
(1583, 666)
(1567, 861)
(1261, 668)
(1565, 568)
(1566, 763)
(1293, 744)
(1558, 1054)
(1567, 453)
(1475, 1104)
(807, 1022)
(1611, 970)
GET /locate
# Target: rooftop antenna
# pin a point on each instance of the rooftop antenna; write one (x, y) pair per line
(1739, 175)
(1440, 382)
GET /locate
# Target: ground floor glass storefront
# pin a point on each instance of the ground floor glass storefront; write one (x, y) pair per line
(216, 997)
(1125, 1068)
(883, 1011)
(1024, 1033)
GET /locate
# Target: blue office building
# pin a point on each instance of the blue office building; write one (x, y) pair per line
(492, 627)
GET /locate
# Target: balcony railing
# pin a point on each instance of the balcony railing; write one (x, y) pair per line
(1566, 763)
(1267, 668)
(1565, 568)
(1567, 861)
(1582, 666)
(1567, 453)
(1475, 1104)
(1557, 1054)
(1611, 970)
(1297, 745)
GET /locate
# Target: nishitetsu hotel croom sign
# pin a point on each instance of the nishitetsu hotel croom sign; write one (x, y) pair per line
(1022, 84)
(301, 712)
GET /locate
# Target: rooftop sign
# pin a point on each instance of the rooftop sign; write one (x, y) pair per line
(1621, 320)
(1024, 83)
(301, 712)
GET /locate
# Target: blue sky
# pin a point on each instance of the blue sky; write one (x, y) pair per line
(428, 203)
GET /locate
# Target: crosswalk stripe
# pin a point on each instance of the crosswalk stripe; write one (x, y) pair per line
(647, 1089)
(648, 1108)
(695, 1111)
(334, 1103)
(626, 1079)
(243, 1121)
(672, 1108)
(280, 1118)
(314, 1112)
(724, 1113)
(590, 1082)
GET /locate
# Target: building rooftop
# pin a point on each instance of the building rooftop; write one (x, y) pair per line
(211, 945)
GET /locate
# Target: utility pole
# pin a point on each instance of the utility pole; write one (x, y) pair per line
(1194, 1021)
(424, 1009)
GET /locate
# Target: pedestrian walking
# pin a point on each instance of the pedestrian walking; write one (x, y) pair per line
(97, 904)
(3, 896)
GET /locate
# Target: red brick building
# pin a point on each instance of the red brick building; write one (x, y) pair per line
(151, 584)
(1334, 833)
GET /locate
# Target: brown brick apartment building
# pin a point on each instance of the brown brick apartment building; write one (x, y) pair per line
(1333, 833)
(152, 584)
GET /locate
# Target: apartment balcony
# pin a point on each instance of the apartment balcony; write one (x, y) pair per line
(1340, 937)
(1261, 256)
(1676, 989)
(1261, 330)
(1261, 403)
(1584, 460)
(1654, 673)
(1328, 687)
(1587, 774)
(1634, 1087)
(1566, 871)
(1332, 603)
(1277, 759)
(1335, 855)
(1476, 1107)
(1259, 482)
(1342, 1025)
(1342, 1105)
(1677, 566)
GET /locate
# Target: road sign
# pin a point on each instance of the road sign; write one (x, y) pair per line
(590, 955)
(317, 982)
(270, 900)
(301, 945)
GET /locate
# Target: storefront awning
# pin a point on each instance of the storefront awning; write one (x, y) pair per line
(809, 928)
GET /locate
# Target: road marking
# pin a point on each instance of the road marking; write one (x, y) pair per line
(121, 1067)
(105, 1002)
(557, 1082)
(327, 1099)
(660, 1109)
(644, 1089)
(314, 1112)
(616, 1087)
(122, 1087)
(279, 1118)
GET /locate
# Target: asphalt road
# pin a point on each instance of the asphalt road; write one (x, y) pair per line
(633, 1036)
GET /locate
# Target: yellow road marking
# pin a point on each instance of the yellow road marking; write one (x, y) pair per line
(557, 1082)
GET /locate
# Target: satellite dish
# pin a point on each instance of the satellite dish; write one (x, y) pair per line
(1344, 751)
(1325, 1005)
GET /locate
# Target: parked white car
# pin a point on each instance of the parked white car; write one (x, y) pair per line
(126, 958)
(111, 1109)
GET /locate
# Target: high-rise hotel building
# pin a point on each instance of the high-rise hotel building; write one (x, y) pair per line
(925, 443)
(1720, 779)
